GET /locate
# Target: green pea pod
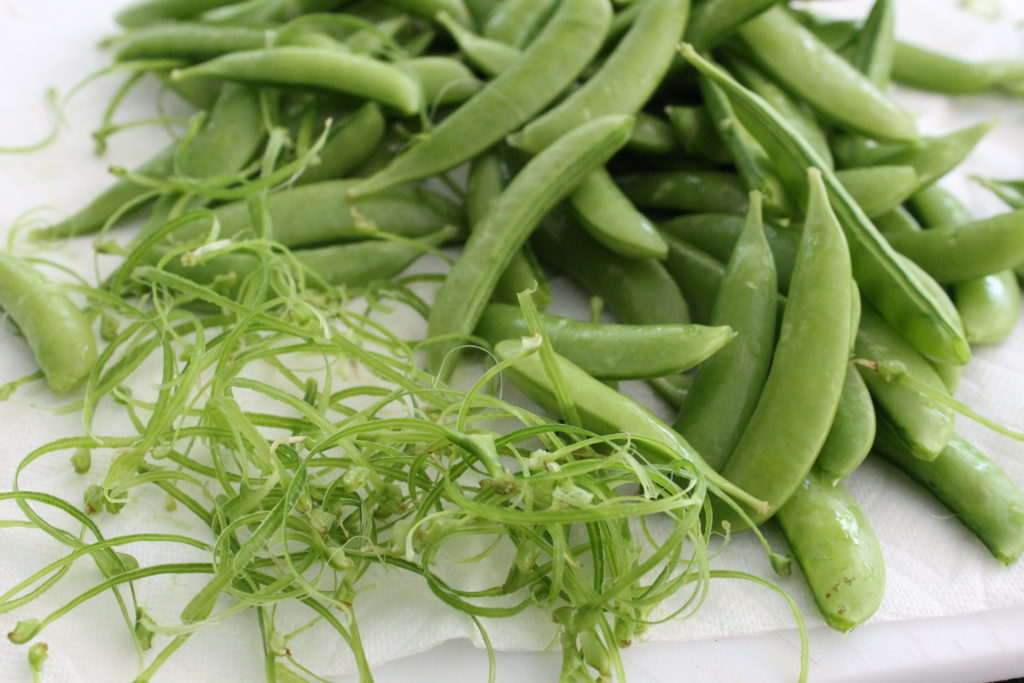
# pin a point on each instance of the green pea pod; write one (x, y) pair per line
(879, 189)
(543, 182)
(612, 220)
(188, 41)
(551, 63)
(713, 21)
(984, 498)
(727, 386)
(652, 135)
(613, 352)
(632, 72)
(717, 234)
(923, 425)
(201, 93)
(320, 213)
(855, 151)
(351, 141)
(837, 550)
(896, 222)
(58, 334)
(965, 252)
(927, 70)
(604, 410)
(673, 389)
(852, 432)
(490, 56)
(698, 276)
(516, 23)
(637, 291)
(883, 280)
(808, 67)
(696, 191)
(444, 80)
(697, 134)
(311, 67)
(522, 273)
(229, 140)
(808, 366)
(933, 157)
(875, 50)
(151, 11)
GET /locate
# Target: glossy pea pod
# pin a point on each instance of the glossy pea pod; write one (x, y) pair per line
(979, 492)
(612, 220)
(56, 331)
(543, 182)
(487, 180)
(613, 352)
(920, 314)
(726, 389)
(698, 276)
(312, 67)
(795, 410)
(819, 76)
(852, 432)
(551, 63)
(989, 306)
(637, 291)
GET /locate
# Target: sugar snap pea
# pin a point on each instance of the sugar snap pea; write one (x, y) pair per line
(875, 49)
(191, 41)
(879, 189)
(431, 8)
(542, 183)
(985, 499)
(726, 389)
(933, 157)
(852, 432)
(715, 20)
(516, 23)
(151, 11)
(697, 133)
(229, 139)
(490, 56)
(623, 83)
(613, 352)
(698, 275)
(800, 396)
(56, 331)
(652, 135)
(444, 80)
(698, 191)
(350, 142)
(311, 67)
(549, 65)
(897, 221)
(612, 220)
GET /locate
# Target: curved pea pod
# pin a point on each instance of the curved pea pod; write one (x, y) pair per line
(852, 432)
(965, 252)
(925, 69)
(489, 56)
(972, 486)
(837, 550)
(638, 291)
(151, 11)
(920, 314)
(696, 191)
(321, 213)
(543, 182)
(717, 234)
(188, 41)
(727, 386)
(715, 20)
(230, 138)
(795, 410)
(698, 275)
(612, 220)
(623, 83)
(697, 133)
(444, 80)
(613, 352)
(879, 189)
(516, 23)
(351, 141)
(933, 157)
(652, 135)
(808, 67)
(922, 424)
(311, 67)
(55, 330)
(552, 62)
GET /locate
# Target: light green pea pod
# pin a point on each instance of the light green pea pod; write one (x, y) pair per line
(230, 138)
(933, 157)
(444, 80)
(876, 44)
(187, 40)
(896, 222)
(879, 189)
(351, 141)
(697, 134)
(516, 23)
(852, 433)
(490, 56)
(151, 11)
(713, 21)
(612, 220)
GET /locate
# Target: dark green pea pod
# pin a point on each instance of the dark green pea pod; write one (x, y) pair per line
(920, 314)
(879, 189)
(444, 80)
(612, 220)
(151, 11)
(933, 157)
(713, 21)
(613, 352)
(637, 291)
(228, 141)
(958, 253)
(727, 387)
(698, 276)
(696, 191)
(819, 76)
(925, 426)
(350, 142)
(837, 549)
(517, 23)
(697, 134)
(852, 432)
(652, 135)
(981, 495)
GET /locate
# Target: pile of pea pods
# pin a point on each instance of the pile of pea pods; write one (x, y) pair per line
(729, 178)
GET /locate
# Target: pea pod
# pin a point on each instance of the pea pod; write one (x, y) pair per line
(673, 389)
(727, 386)
(698, 275)
(612, 220)
(58, 334)
(837, 550)
(351, 141)
(311, 67)
(933, 157)
(896, 222)
(808, 67)
(151, 11)
(697, 134)
(444, 80)
(552, 62)
(613, 352)
(490, 56)
(542, 183)
(715, 20)
(188, 41)
(229, 139)
(876, 44)
(652, 135)
(516, 23)
(631, 72)
(981, 495)
(695, 191)
(919, 314)
(852, 432)
(879, 189)
(801, 394)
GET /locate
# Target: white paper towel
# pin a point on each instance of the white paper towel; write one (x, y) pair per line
(935, 567)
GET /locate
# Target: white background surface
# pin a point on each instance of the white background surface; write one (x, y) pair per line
(938, 574)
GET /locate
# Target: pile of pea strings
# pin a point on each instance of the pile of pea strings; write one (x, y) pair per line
(236, 267)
